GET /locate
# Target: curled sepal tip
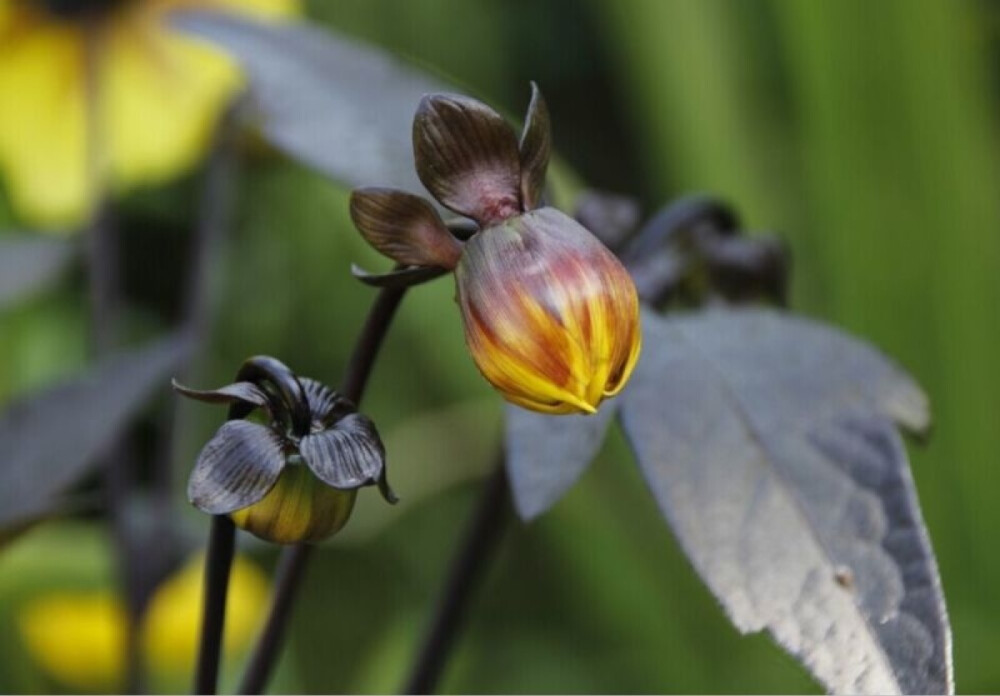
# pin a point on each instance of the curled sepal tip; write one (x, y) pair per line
(404, 227)
(535, 149)
(236, 468)
(399, 278)
(243, 392)
(467, 157)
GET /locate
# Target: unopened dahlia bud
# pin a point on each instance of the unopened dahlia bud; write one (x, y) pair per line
(551, 316)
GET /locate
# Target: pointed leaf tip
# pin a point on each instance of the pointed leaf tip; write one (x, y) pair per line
(404, 227)
(535, 149)
(399, 278)
(777, 464)
(246, 392)
(467, 157)
(546, 454)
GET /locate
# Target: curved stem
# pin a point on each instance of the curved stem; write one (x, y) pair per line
(295, 558)
(221, 544)
(218, 566)
(366, 348)
(290, 571)
(481, 540)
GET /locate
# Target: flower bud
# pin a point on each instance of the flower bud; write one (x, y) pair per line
(551, 316)
(292, 478)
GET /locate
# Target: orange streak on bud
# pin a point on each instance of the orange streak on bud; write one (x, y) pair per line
(551, 316)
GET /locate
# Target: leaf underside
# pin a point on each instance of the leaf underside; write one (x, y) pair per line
(51, 438)
(547, 454)
(770, 445)
(333, 103)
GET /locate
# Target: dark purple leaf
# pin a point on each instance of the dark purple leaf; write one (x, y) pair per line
(331, 102)
(611, 217)
(28, 263)
(49, 439)
(770, 444)
(547, 454)
(236, 468)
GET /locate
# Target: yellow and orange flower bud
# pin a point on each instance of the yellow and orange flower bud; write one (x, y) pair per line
(551, 316)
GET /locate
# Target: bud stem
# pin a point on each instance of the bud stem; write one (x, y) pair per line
(294, 559)
(480, 541)
(219, 561)
(290, 570)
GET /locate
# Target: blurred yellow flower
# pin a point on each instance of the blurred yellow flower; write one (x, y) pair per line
(79, 637)
(146, 115)
(173, 620)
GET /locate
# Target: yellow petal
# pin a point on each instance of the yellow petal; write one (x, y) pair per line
(163, 92)
(161, 98)
(42, 120)
(263, 9)
(258, 9)
(172, 627)
(77, 637)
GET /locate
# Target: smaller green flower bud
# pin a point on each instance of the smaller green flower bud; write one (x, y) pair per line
(295, 478)
(298, 508)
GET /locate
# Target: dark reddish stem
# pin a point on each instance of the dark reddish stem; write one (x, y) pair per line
(295, 558)
(464, 575)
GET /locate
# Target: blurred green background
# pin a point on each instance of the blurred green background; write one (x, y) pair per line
(865, 133)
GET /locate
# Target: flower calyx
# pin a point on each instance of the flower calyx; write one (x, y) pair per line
(471, 161)
(287, 464)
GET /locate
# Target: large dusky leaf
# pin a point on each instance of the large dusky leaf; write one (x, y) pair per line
(50, 438)
(28, 263)
(333, 103)
(547, 454)
(770, 444)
